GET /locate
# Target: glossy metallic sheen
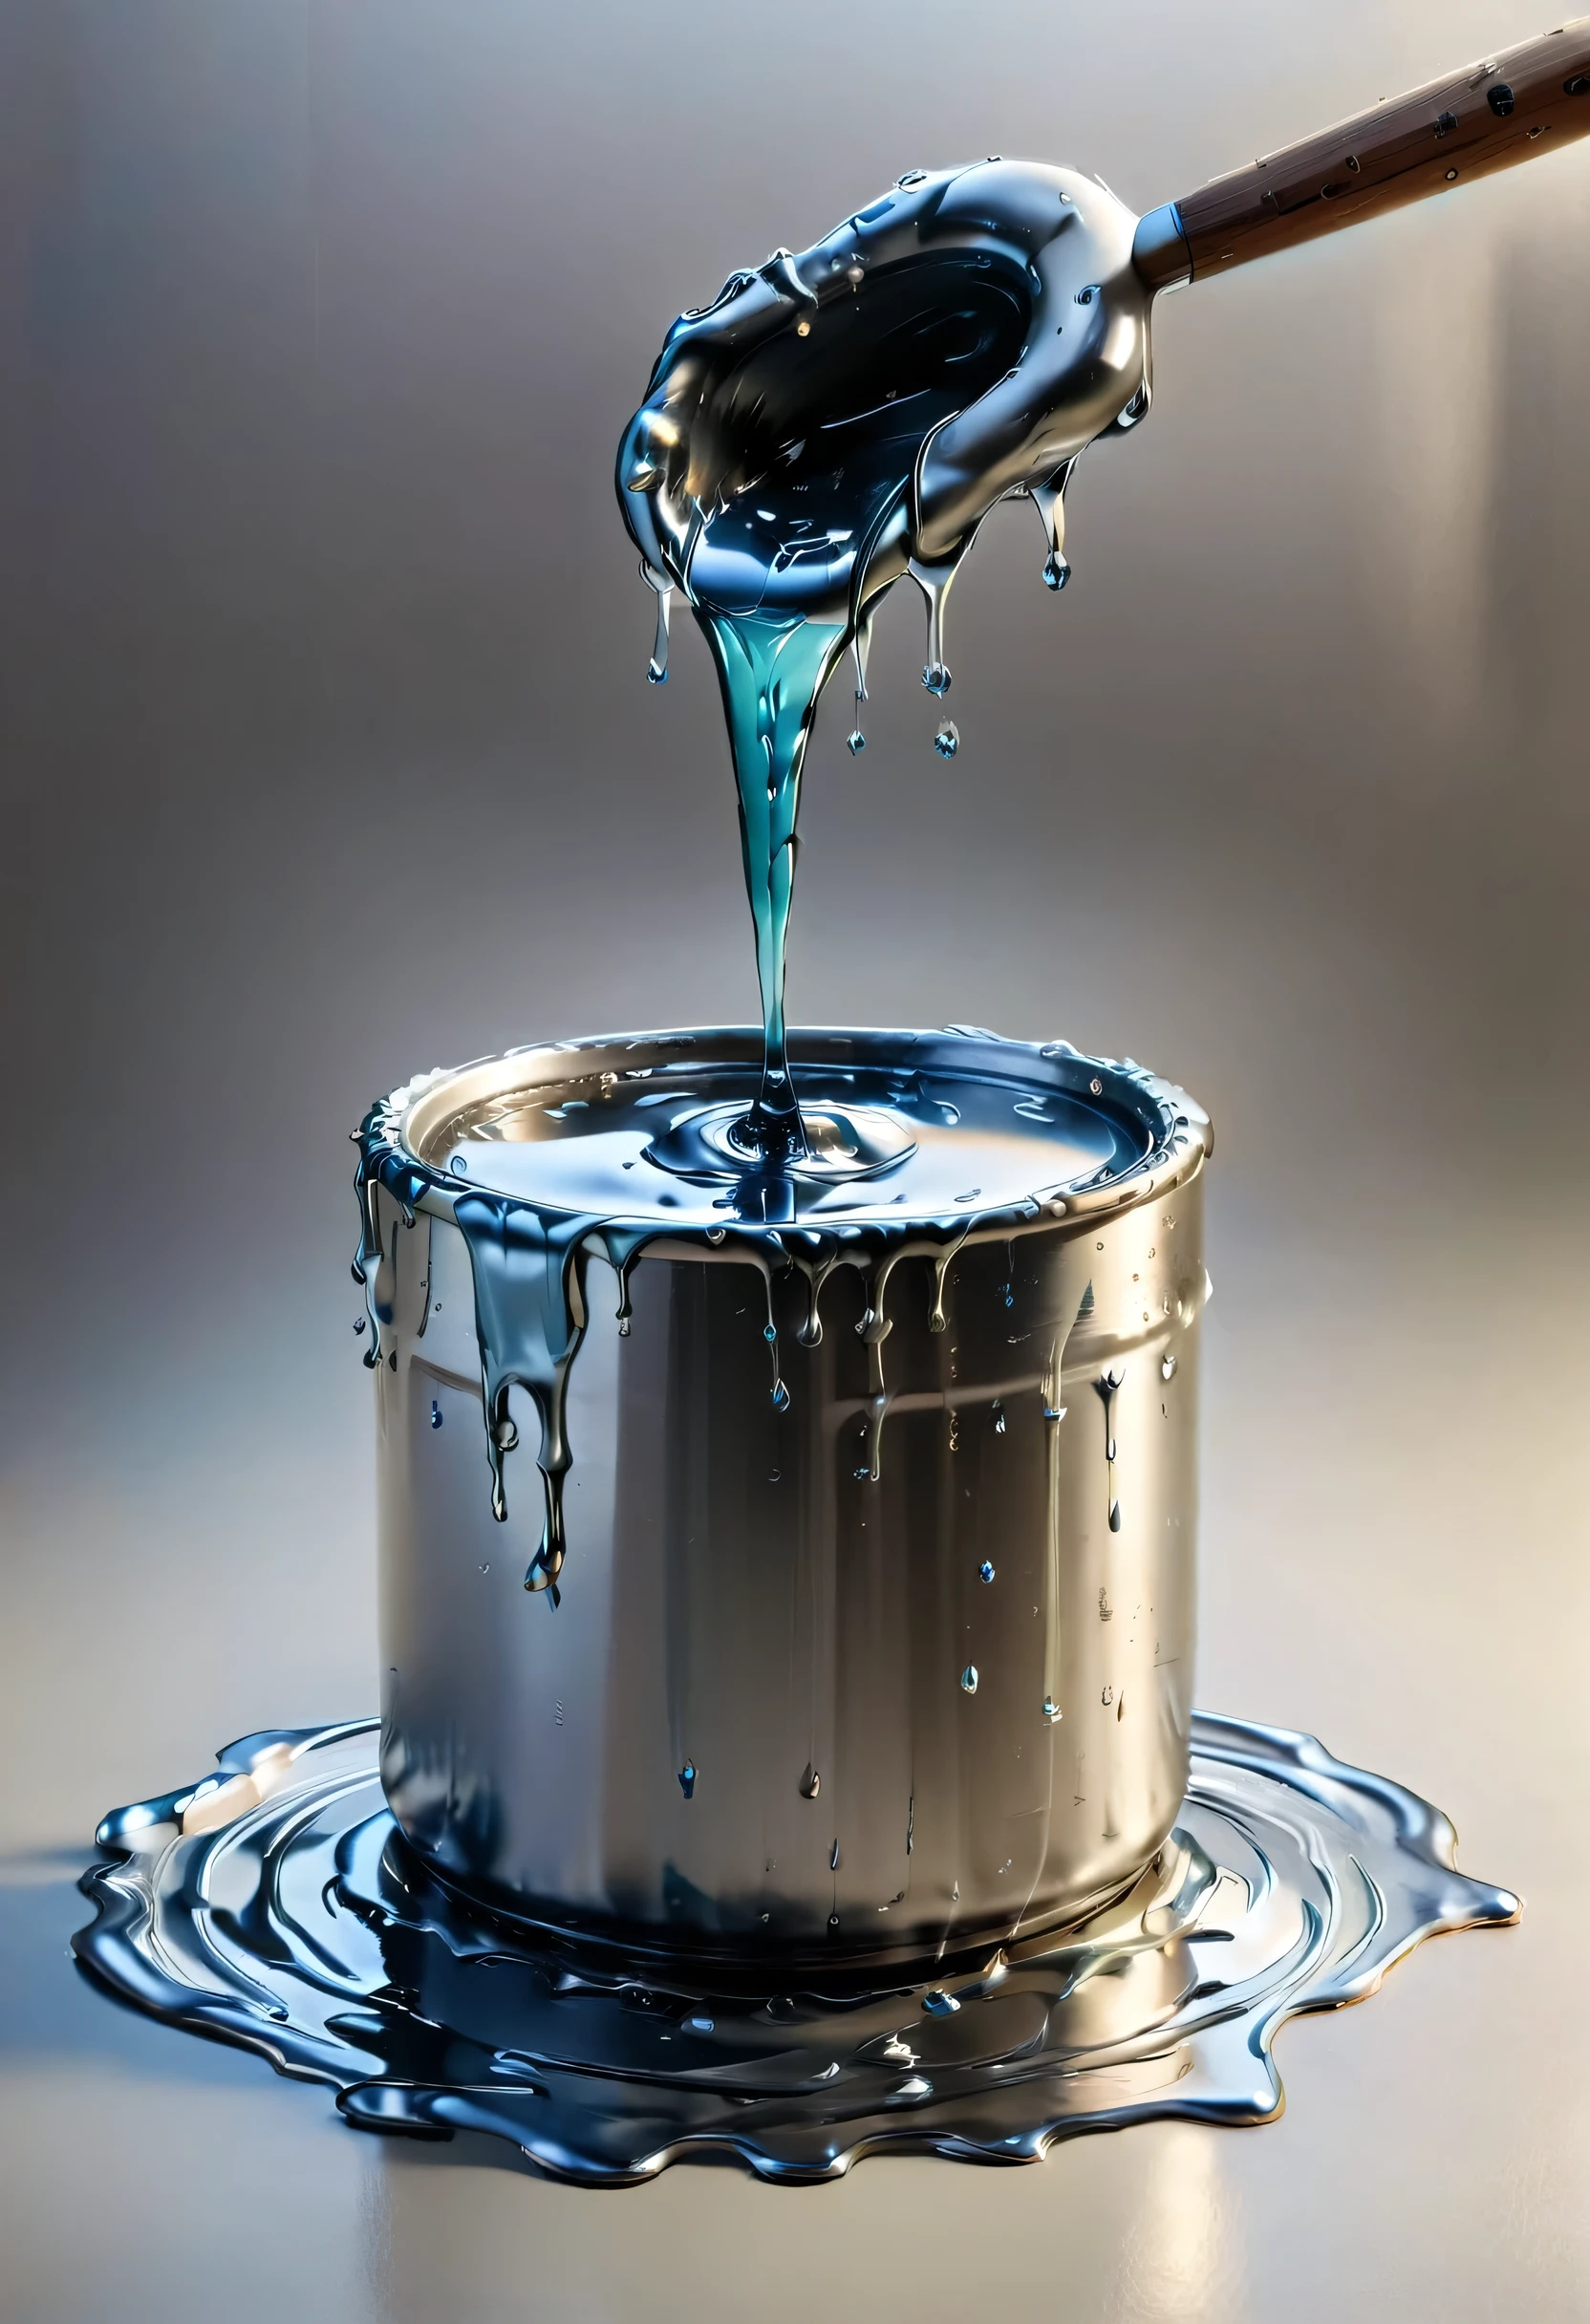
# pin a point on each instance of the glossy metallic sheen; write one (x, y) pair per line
(746, 1729)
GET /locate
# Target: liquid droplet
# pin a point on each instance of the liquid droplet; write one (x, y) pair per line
(1168, 1368)
(936, 2004)
(700, 2025)
(810, 1783)
(833, 1857)
(781, 1397)
(855, 741)
(687, 1778)
(358, 1324)
(1056, 573)
(968, 1678)
(657, 669)
(486, 1567)
(936, 678)
(947, 741)
(1051, 1711)
(436, 1413)
(985, 1571)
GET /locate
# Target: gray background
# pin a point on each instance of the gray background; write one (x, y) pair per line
(328, 758)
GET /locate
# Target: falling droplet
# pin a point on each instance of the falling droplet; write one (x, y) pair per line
(687, 1778)
(833, 1923)
(855, 741)
(936, 678)
(1051, 1711)
(1168, 1368)
(657, 669)
(770, 1333)
(1000, 1424)
(1056, 573)
(810, 1783)
(1114, 1517)
(936, 2004)
(947, 741)
(358, 1324)
(985, 1571)
(436, 1413)
(781, 1397)
(968, 1678)
(833, 1857)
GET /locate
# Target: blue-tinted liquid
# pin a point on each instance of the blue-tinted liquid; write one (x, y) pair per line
(771, 673)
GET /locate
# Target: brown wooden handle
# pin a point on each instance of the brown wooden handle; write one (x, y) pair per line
(1524, 101)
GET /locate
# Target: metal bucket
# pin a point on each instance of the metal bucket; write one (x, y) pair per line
(789, 1708)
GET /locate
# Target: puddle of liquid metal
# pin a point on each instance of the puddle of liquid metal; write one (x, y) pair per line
(274, 1905)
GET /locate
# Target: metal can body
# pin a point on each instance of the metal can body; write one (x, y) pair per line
(879, 1674)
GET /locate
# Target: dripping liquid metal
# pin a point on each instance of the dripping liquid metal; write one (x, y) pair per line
(836, 1784)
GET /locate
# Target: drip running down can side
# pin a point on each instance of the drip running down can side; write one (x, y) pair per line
(870, 1487)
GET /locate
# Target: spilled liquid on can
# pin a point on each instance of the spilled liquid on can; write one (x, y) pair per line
(833, 421)
(902, 1159)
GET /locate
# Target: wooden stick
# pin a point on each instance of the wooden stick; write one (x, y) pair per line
(1507, 108)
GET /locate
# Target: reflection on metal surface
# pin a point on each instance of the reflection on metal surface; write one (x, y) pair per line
(306, 1929)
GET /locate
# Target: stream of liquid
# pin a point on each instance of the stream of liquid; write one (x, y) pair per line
(833, 421)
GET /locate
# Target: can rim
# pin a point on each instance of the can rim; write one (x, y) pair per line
(1178, 1135)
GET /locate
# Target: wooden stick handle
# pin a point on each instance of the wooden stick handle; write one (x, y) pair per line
(1524, 101)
